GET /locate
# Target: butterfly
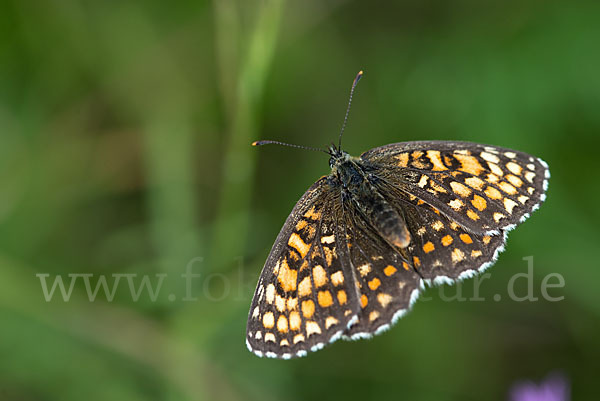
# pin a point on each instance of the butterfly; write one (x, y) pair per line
(363, 241)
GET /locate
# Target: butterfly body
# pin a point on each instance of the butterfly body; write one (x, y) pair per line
(356, 180)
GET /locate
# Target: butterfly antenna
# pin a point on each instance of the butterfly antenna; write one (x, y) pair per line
(267, 142)
(358, 77)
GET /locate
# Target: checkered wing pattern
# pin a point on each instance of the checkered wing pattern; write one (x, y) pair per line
(305, 296)
(386, 284)
(484, 189)
(443, 251)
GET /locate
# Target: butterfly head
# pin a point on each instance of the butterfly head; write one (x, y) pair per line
(337, 156)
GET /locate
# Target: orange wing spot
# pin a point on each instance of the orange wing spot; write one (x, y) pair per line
(292, 303)
(428, 247)
(269, 337)
(437, 188)
(466, 238)
(308, 308)
(405, 266)
(416, 154)
(402, 159)
(447, 240)
(329, 255)
(268, 320)
(476, 253)
(457, 255)
(420, 202)
(330, 321)
(509, 205)
(514, 180)
(486, 239)
(469, 164)
(329, 239)
(475, 183)
(341, 296)
(389, 270)
(364, 269)
(270, 293)
(298, 338)
(436, 160)
(454, 225)
(494, 168)
(325, 299)
(489, 157)
(373, 315)
(456, 204)
(437, 225)
(460, 189)
(304, 288)
(280, 303)
(363, 300)
(384, 299)
(506, 187)
(282, 324)
(301, 224)
(312, 328)
(337, 278)
(529, 176)
(296, 242)
(295, 321)
(416, 261)
(374, 284)
(310, 232)
(287, 277)
(472, 215)
(319, 276)
(312, 214)
(492, 178)
(479, 203)
(493, 193)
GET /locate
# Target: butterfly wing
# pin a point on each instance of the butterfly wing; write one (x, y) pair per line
(459, 200)
(386, 283)
(485, 189)
(305, 297)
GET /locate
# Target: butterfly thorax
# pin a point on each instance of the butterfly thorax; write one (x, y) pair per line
(358, 190)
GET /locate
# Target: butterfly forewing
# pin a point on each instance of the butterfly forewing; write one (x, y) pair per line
(485, 189)
(305, 297)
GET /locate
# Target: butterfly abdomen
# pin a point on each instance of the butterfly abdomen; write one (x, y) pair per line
(383, 217)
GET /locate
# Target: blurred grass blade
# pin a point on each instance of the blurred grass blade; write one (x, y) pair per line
(231, 227)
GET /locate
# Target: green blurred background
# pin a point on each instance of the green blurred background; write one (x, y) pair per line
(125, 132)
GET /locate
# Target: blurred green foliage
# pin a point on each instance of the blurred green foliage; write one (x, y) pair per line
(124, 149)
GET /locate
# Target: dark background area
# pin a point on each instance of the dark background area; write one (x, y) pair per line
(125, 131)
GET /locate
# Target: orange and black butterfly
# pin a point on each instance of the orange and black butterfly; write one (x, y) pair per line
(364, 240)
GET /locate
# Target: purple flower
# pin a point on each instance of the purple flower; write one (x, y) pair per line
(554, 388)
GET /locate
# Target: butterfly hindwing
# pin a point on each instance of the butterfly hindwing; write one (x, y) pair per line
(386, 283)
(443, 251)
